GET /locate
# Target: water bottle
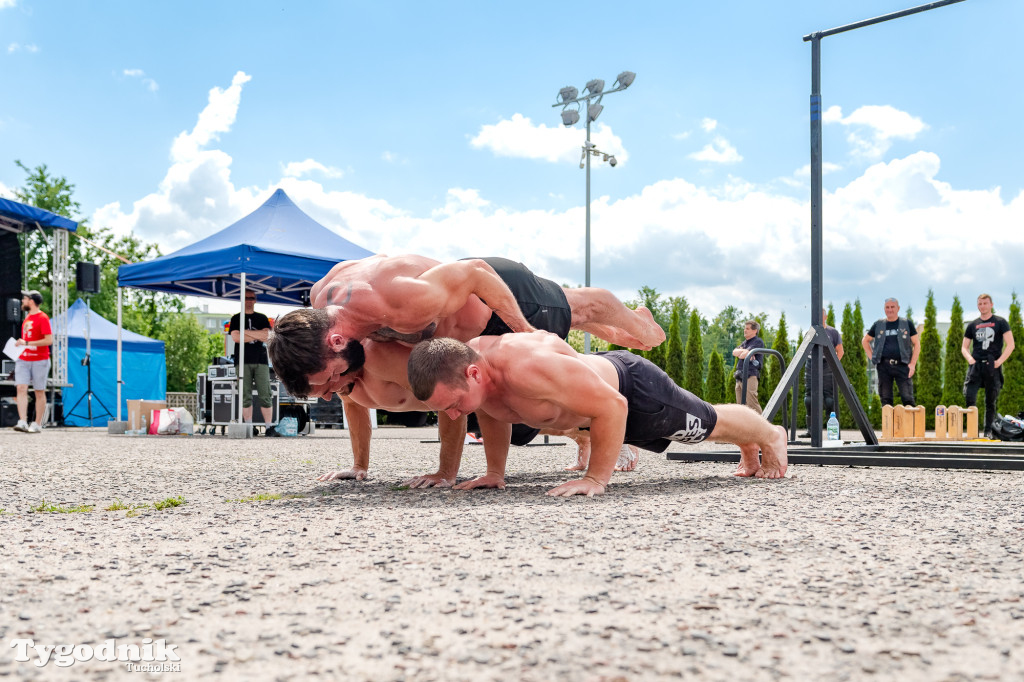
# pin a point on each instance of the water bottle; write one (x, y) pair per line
(833, 427)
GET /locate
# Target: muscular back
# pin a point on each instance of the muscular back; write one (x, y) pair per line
(388, 298)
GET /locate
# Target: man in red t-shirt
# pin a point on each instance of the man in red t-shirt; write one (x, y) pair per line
(33, 365)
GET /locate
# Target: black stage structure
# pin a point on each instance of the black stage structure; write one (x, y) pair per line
(816, 347)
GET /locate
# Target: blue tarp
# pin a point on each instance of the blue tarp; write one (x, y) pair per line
(282, 251)
(25, 217)
(144, 369)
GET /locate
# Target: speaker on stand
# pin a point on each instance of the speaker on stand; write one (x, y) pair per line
(87, 281)
(87, 278)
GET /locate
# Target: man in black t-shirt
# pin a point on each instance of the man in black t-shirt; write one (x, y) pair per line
(828, 386)
(257, 329)
(993, 343)
(892, 344)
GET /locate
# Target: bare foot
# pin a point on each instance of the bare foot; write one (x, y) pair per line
(582, 454)
(430, 481)
(629, 455)
(654, 335)
(353, 473)
(750, 464)
(773, 455)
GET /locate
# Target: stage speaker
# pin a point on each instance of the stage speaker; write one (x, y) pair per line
(12, 309)
(10, 265)
(87, 279)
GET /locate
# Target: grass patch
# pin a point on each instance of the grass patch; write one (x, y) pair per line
(117, 505)
(169, 502)
(306, 461)
(43, 508)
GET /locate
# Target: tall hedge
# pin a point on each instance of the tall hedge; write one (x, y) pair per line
(717, 387)
(694, 379)
(956, 366)
(674, 362)
(773, 372)
(929, 364)
(1011, 399)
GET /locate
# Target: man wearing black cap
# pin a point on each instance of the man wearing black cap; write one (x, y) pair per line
(257, 329)
(33, 365)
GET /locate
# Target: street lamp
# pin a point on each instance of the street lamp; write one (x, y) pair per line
(593, 93)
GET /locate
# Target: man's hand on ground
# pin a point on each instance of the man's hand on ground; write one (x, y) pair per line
(354, 473)
(430, 481)
(583, 486)
(486, 481)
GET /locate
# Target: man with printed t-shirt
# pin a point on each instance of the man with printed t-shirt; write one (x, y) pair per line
(893, 345)
(33, 365)
(993, 343)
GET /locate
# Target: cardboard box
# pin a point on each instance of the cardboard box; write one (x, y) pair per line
(138, 413)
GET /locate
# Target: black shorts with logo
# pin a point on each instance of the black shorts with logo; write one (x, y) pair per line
(541, 301)
(660, 412)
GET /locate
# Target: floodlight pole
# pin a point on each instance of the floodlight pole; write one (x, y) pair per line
(815, 344)
(587, 151)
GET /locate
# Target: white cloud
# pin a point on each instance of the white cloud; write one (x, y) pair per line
(681, 136)
(873, 128)
(708, 124)
(896, 228)
(17, 47)
(718, 150)
(518, 137)
(297, 169)
(150, 84)
(4, 4)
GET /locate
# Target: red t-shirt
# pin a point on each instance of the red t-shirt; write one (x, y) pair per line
(34, 328)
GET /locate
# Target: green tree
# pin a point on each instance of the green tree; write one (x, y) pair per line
(694, 381)
(674, 361)
(724, 332)
(830, 318)
(1011, 399)
(956, 365)
(855, 360)
(914, 379)
(188, 349)
(928, 391)
(773, 371)
(661, 310)
(716, 392)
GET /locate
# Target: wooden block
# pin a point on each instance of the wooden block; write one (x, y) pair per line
(899, 422)
(955, 422)
(972, 422)
(887, 426)
(919, 420)
(940, 422)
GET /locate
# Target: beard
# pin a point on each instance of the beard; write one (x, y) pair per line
(26, 307)
(354, 355)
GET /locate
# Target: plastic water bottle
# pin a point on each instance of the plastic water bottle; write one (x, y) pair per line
(833, 427)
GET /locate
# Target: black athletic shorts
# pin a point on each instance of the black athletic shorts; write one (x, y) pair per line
(541, 301)
(659, 411)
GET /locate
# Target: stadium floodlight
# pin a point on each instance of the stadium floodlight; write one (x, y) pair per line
(625, 79)
(568, 93)
(593, 93)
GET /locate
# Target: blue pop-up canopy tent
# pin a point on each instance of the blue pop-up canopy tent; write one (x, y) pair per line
(277, 250)
(280, 249)
(19, 217)
(142, 359)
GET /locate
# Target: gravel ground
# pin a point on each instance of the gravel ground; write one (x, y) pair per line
(680, 571)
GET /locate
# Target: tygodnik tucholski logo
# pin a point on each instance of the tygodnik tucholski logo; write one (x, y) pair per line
(150, 656)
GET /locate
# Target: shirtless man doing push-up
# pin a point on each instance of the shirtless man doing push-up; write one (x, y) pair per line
(408, 298)
(540, 380)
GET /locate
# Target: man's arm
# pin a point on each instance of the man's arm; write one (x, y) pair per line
(866, 342)
(1008, 347)
(452, 434)
(965, 350)
(360, 431)
(37, 343)
(915, 340)
(445, 288)
(497, 437)
(839, 351)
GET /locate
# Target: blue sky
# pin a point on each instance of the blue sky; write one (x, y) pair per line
(428, 128)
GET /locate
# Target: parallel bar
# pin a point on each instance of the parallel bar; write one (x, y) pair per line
(825, 456)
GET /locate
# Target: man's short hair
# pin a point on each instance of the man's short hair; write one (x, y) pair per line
(36, 297)
(753, 324)
(981, 296)
(298, 348)
(435, 361)
(892, 300)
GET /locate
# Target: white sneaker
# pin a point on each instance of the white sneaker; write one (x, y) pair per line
(21, 426)
(34, 427)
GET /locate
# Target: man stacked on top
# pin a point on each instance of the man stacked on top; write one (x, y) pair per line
(538, 379)
(370, 312)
